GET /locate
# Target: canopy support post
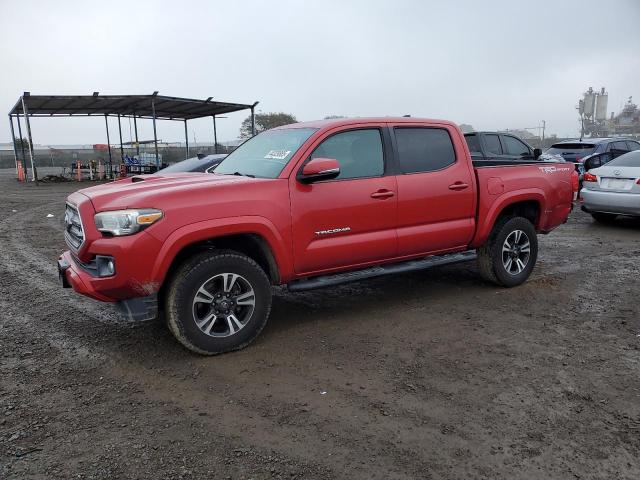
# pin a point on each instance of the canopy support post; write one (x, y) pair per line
(186, 140)
(215, 135)
(120, 133)
(155, 132)
(24, 156)
(135, 127)
(253, 120)
(13, 140)
(34, 173)
(106, 123)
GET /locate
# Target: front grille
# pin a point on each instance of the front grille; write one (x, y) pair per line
(73, 232)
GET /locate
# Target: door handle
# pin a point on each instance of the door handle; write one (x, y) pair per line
(382, 194)
(458, 186)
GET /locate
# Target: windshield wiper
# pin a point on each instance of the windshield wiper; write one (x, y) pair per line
(240, 174)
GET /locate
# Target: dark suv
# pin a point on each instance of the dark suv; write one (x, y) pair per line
(578, 150)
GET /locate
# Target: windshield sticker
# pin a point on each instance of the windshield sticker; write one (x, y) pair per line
(278, 154)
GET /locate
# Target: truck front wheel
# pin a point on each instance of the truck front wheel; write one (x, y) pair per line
(510, 253)
(217, 302)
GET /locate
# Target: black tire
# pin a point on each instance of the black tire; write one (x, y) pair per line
(182, 306)
(604, 217)
(491, 262)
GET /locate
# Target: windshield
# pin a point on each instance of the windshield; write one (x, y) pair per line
(266, 154)
(631, 159)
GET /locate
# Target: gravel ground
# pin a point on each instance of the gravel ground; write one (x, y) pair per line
(433, 374)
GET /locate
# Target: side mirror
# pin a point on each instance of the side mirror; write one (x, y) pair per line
(536, 153)
(319, 169)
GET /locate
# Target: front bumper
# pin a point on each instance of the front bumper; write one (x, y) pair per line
(610, 202)
(72, 275)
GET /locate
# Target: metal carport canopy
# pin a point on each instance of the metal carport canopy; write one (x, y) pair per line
(154, 107)
(141, 106)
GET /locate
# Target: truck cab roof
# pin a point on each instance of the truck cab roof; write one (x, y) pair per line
(340, 122)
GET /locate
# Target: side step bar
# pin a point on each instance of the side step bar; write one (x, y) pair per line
(409, 266)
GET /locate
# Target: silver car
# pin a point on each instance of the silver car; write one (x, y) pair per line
(612, 189)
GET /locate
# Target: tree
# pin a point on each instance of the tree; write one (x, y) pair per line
(466, 128)
(265, 121)
(21, 142)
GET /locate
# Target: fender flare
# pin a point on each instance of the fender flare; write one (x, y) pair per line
(503, 201)
(220, 227)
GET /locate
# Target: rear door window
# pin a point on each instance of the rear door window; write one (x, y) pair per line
(618, 148)
(424, 149)
(492, 141)
(515, 146)
(621, 146)
(631, 145)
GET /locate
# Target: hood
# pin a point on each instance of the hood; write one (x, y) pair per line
(156, 191)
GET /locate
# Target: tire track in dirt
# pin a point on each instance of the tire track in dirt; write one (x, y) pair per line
(273, 392)
(17, 254)
(33, 271)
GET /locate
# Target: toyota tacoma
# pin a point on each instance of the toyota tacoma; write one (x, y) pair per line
(306, 205)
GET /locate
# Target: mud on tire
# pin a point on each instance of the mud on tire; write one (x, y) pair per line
(510, 253)
(217, 301)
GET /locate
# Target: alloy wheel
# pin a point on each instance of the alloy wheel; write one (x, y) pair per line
(223, 305)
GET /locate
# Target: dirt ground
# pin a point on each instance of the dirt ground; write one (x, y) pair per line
(433, 374)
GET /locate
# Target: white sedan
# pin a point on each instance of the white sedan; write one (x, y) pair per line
(612, 189)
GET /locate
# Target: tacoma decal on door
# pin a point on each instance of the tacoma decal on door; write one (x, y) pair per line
(332, 231)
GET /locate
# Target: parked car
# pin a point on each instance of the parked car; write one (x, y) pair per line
(201, 163)
(305, 205)
(612, 188)
(499, 147)
(577, 151)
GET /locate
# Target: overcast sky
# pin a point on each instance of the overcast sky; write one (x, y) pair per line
(491, 64)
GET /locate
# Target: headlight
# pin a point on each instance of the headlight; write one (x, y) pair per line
(126, 222)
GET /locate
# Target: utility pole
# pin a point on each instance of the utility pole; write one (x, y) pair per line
(544, 124)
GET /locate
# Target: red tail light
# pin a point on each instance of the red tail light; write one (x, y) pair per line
(638, 182)
(579, 159)
(589, 177)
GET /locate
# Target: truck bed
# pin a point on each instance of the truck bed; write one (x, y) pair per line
(547, 185)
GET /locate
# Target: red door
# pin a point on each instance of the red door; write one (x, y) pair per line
(436, 190)
(350, 220)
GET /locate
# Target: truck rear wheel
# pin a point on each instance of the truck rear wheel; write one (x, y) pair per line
(218, 302)
(510, 253)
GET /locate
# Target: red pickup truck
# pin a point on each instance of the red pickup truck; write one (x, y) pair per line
(306, 205)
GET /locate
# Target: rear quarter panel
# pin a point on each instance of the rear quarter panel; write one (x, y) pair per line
(549, 185)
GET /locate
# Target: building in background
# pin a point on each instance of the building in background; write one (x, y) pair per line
(593, 116)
